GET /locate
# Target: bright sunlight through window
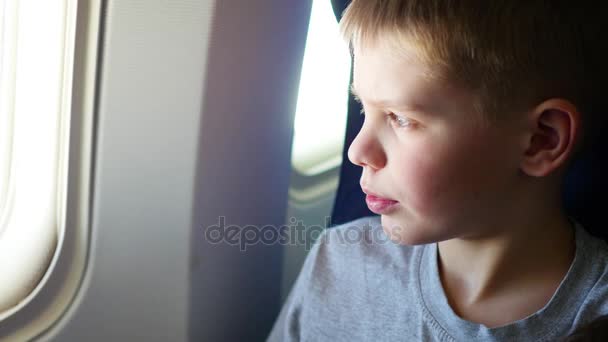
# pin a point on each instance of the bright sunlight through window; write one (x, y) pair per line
(36, 43)
(320, 120)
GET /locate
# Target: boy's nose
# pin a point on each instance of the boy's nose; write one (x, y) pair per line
(366, 151)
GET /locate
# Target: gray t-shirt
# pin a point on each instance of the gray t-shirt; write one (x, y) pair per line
(357, 285)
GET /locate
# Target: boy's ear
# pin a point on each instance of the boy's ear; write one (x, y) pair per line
(553, 132)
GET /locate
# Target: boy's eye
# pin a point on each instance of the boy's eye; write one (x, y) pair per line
(400, 121)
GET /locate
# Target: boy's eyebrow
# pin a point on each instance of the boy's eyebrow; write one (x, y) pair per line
(412, 107)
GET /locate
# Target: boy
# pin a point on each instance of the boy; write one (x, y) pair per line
(473, 109)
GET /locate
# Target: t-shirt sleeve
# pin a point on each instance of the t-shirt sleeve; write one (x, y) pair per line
(288, 325)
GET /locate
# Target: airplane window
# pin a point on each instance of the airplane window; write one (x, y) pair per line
(34, 106)
(322, 107)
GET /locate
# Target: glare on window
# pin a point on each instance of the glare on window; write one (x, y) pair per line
(322, 107)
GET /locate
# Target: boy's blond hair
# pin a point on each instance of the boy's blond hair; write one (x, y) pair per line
(513, 54)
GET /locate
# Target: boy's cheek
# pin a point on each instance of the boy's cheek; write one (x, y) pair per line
(422, 187)
(436, 187)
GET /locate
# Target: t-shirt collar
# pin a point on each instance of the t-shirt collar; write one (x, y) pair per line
(536, 326)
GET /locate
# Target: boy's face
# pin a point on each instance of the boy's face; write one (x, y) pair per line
(438, 171)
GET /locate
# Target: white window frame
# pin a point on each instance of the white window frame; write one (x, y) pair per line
(57, 292)
(7, 79)
(39, 45)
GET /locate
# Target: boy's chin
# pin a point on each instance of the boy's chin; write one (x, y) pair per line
(404, 233)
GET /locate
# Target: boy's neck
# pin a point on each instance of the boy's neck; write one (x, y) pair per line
(534, 255)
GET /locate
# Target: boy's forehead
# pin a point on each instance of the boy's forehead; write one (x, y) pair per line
(386, 78)
(380, 72)
(395, 55)
(393, 45)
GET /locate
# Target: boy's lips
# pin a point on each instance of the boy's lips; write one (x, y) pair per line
(378, 204)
